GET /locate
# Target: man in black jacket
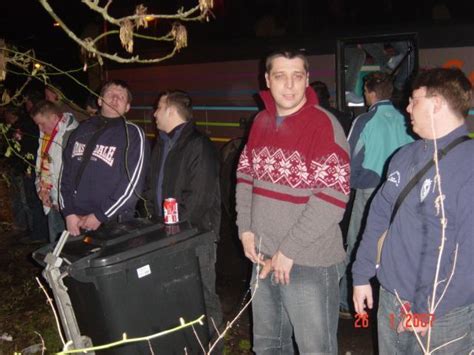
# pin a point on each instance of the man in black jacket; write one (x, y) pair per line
(185, 166)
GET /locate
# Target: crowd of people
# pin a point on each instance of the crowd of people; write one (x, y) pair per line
(410, 228)
(294, 180)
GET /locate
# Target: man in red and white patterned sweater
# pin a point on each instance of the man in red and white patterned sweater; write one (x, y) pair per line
(292, 189)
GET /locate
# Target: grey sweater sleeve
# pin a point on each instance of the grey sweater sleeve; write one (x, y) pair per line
(244, 193)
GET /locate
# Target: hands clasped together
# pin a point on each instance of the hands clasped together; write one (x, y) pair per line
(75, 223)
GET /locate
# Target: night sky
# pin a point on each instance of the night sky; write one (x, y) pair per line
(26, 24)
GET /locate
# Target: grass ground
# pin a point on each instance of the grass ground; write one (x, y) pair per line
(26, 317)
(24, 313)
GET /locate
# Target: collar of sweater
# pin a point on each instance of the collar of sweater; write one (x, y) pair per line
(441, 142)
(380, 103)
(269, 101)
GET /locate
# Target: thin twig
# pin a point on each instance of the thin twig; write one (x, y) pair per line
(443, 227)
(43, 346)
(405, 310)
(89, 45)
(117, 21)
(199, 340)
(231, 323)
(446, 344)
(126, 340)
(50, 301)
(450, 278)
(150, 347)
(214, 325)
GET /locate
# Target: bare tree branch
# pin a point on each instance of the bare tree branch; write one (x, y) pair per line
(128, 26)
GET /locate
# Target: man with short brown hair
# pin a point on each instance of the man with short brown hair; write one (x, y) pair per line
(111, 178)
(292, 189)
(427, 259)
(185, 166)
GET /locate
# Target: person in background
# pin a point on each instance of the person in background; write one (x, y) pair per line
(17, 167)
(344, 118)
(53, 93)
(55, 128)
(92, 108)
(374, 137)
(36, 220)
(292, 190)
(431, 271)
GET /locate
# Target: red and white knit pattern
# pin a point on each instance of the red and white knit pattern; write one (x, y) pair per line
(289, 168)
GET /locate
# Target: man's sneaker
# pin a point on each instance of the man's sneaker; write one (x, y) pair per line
(354, 100)
(345, 314)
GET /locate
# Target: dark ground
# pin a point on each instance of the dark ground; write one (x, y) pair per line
(25, 316)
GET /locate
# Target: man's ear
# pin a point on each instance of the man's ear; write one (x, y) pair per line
(99, 101)
(267, 80)
(127, 108)
(307, 79)
(171, 111)
(438, 103)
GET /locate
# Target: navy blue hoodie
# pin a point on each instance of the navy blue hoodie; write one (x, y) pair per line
(114, 176)
(411, 248)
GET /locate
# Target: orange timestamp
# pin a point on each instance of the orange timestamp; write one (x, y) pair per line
(407, 318)
(361, 320)
(413, 319)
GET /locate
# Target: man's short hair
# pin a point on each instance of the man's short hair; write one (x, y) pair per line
(288, 54)
(452, 84)
(117, 82)
(381, 83)
(45, 107)
(181, 101)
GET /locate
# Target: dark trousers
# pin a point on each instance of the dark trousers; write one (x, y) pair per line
(207, 262)
(37, 220)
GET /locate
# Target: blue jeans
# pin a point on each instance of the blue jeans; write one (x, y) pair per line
(359, 212)
(455, 324)
(55, 224)
(307, 308)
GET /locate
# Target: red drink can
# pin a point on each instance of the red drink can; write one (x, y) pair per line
(170, 209)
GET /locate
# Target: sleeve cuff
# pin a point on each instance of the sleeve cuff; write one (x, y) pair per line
(359, 280)
(100, 216)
